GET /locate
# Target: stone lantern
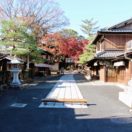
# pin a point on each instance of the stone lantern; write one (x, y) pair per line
(15, 70)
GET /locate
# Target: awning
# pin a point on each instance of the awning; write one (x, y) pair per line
(43, 65)
(109, 54)
(120, 63)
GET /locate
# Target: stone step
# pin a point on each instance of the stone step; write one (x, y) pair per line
(126, 98)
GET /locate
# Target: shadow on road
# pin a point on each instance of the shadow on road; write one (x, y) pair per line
(80, 78)
(59, 120)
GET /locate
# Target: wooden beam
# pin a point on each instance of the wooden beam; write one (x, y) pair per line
(82, 101)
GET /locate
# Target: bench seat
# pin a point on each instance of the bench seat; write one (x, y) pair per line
(82, 101)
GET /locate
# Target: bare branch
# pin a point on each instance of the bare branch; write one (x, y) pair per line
(44, 15)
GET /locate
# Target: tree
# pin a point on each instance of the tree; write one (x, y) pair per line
(17, 39)
(60, 45)
(51, 42)
(73, 47)
(41, 16)
(89, 27)
(68, 33)
(74, 43)
(88, 54)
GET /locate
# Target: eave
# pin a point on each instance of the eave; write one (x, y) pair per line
(98, 36)
(104, 32)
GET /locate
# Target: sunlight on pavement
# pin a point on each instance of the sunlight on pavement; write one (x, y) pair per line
(65, 88)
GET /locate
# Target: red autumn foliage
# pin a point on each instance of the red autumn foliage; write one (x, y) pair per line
(59, 45)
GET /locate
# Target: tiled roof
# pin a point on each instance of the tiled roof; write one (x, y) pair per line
(2, 56)
(109, 54)
(116, 31)
(106, 31)
(119, 25)
(11, 58)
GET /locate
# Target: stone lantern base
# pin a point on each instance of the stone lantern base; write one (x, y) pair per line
(15, 82)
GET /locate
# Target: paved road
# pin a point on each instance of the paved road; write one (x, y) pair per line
(104, 113)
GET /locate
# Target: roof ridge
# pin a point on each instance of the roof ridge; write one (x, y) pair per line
(120, 23)
(114, 50)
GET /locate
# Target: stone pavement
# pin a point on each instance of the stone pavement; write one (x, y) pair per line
(102, 99)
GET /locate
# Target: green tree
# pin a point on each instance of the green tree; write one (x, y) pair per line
(18, 39)
(89, 27)
(88, 54)
(68, 33)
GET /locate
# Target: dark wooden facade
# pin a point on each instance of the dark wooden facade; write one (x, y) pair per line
(113, 41)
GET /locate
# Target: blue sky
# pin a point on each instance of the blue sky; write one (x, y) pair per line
(106, 12)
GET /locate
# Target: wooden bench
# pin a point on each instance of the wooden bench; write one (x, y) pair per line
(81, 101)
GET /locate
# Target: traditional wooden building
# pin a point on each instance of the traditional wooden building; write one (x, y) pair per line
(44, 67)
(111, 62)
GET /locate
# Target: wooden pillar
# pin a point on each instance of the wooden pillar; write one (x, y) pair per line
(102, 73)
(128, 72)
